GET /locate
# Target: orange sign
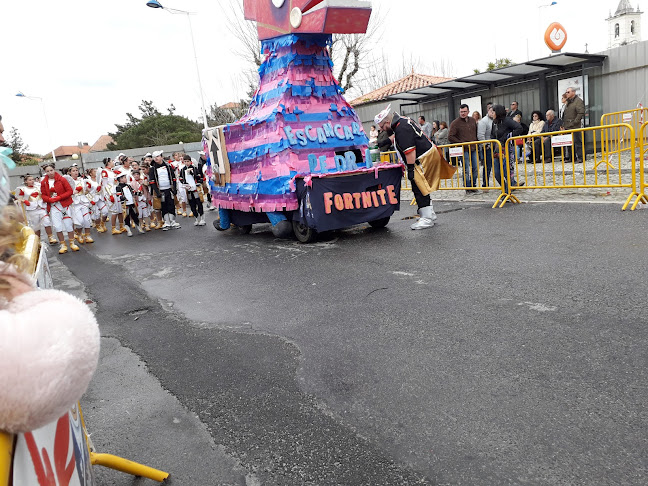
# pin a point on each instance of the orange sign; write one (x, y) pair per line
(555, 37)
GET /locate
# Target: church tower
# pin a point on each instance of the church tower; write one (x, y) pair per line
(624, 27)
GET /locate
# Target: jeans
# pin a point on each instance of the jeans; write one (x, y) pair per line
(578, 147)
(470, 170)
(486, 153)
(509, 173)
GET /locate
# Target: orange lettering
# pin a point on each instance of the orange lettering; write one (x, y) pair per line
(392, 194)
(375, 199)
(366, 200)
(356, 198)
(339, 202)
(381, 193)
(348, 201)
(328, 202)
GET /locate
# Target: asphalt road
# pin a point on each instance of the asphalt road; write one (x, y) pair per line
(500, 347)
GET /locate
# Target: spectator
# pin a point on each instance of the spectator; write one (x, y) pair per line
(519, 144)
(563, 104)
(441, 136)
(435, 129)
(484, 131)
(553, 124)
(572, 120)
(477, 116)
(505, 127)
(537, 124)
(426, 127)
(464, 130)
(373, 136)
(384, 141)
(514, 110)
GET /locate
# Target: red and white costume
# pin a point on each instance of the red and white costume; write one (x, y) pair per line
(109, 188)
(98, 207)
(181, 193)
(35, 207)
(141, 191)
(81, 203)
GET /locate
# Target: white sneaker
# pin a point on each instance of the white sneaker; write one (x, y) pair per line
(139, 228)
(197, 223)
(128, 231)
(211, 208)
(165, 227)
(175, 224)
(202, 221)
(422, 223)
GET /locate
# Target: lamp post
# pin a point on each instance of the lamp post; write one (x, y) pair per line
(20, 94)
(156, 4)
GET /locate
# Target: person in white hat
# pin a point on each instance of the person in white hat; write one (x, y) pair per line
(109, 187)
(411, 143)
(162, 183)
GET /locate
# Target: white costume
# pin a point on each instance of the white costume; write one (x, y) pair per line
(98, 207)
(35, 207)
(109, 188)
(80, 202)
(181, 191)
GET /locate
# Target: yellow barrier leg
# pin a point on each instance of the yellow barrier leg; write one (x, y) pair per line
(6, 454)
(498, 200)
(625, 206)
(128, 467)
(640, 198)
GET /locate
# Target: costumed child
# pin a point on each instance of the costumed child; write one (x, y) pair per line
(181, 196)
(57, 193)
(191, 179)
(35, 208)
(80, 206)
(128, 197)
(143, 197)
(109, 188)
(98, 207)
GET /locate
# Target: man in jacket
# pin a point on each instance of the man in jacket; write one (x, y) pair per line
(484, 130)
(463, 130)
(514, 111)
(572, 120)
(411, 143)
(162, 182)
(552, 124)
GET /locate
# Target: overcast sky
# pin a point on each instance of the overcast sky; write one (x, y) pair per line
(94, 61)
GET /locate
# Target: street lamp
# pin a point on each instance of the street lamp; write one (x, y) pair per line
(20, 94)
(156, 4)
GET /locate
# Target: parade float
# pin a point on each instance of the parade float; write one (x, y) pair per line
(299, 158)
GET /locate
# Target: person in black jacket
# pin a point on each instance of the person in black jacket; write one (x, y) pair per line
(505, 127)
(163, 184)
(191, 177)
(384, 141)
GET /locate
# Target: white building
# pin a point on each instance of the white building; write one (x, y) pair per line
(624, 27)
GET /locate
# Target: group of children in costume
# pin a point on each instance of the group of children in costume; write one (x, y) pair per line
(74, 203)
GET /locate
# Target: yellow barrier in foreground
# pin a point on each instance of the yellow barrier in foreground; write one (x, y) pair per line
(643, 156)
(634, 118)
(557, 160)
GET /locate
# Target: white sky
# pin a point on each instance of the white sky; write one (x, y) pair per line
(93, 61)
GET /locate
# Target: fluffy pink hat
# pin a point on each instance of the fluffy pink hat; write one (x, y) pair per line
(49, 348)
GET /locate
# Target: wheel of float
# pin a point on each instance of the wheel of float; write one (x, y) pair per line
(379, 223)
(245, 229)
(303, 233)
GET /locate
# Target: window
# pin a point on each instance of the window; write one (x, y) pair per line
(616, 30)
(632, 27)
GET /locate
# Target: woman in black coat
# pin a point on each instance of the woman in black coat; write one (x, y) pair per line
(504, 128)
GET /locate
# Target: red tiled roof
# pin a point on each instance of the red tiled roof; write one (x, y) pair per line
(230, 106)
(101, 144)
(411, 81)
(68, 150)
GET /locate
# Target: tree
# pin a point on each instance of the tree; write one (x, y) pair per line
(154, 128)
(18, 146)
(499, 63)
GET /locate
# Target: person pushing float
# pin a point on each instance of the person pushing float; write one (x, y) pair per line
(299, 158)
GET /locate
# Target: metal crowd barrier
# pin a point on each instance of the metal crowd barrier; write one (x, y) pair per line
(393, 158)
(643, 157)
(634, 118)
(561, 160)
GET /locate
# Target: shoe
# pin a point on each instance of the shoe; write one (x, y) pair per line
(115, 231)
(140, 229)
(175, 224)
(52, 240)
(428, 216)
(184, 214)
(211, 208)
(202, 221)
(73, 246)
(179, 211)
(197, 223)
(132, 224)
(165, 227)
(79, 238)
(63, 248)
(122, 229)
(191, 215)
(128, 231)
(88, 239)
